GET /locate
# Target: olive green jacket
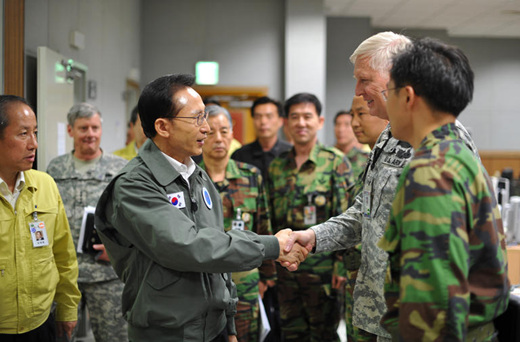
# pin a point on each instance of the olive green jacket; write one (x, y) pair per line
(166, 242)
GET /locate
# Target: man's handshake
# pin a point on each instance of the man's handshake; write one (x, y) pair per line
(294, 247)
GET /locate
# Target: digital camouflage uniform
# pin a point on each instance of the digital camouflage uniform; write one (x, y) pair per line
(309, 308)
(352, 256)
(99, 284)
(365, 221)
(243, 189)
(446, 245)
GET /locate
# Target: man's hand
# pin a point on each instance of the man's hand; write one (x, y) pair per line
(305, 238)
(65, 328)
(103, 255)
(291, 257)
(338, 282)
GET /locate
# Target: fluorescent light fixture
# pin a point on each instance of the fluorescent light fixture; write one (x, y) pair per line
(206, 73)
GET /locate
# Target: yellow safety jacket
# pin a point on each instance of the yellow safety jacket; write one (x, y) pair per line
(31, 278)
(128, 152)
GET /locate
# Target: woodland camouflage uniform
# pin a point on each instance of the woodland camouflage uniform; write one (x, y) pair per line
(309, 309)
(243, 189)
(365, 222)
(447, 252)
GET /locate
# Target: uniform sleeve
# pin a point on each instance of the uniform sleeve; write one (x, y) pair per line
(342, 231)
(145, 218)
(263, 227)
(67, 292)
(427, 241)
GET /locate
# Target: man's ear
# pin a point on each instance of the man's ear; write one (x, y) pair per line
(162, 127)
(411, 97)
(321, 120)
(69, 130)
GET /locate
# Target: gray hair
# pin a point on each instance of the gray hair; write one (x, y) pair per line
(82, 110)
(214, 110)
(380, 49)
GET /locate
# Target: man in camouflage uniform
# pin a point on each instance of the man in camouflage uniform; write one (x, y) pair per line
(307, 185)
(367, 129)
(446, 244)
(81, 176)
(244, 205)
(347, 143)
(365, 221)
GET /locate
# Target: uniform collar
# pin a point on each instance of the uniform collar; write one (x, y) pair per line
(443, 133)
(313, 156)
(232, 170)
(154, 159)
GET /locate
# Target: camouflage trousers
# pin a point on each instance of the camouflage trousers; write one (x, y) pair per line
(309, 309)
(246, 321)
(352, 261)
(103, 300)
(355, 334)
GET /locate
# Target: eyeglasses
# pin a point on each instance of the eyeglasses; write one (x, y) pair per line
(201, 117)
(385, 92)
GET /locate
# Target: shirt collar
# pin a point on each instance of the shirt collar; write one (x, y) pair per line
(183, 169)
(18, 186)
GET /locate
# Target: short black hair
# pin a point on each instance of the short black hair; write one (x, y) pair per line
(133, 115)
(263, 100)
(302, 98)
(439, 73)
(5, 100)
(157, 100)
(342, 112)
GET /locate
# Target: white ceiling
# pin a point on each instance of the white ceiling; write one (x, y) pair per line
(462, 18)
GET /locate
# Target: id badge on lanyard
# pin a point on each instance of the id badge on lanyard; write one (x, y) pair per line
(38, 232)
(309, 212)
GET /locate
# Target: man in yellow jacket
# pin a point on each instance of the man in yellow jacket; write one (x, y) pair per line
(130, 150)
(33, 272)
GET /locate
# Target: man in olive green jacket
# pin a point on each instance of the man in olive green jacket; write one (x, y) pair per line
(162, 225)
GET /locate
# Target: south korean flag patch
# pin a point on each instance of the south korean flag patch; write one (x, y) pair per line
(177, 199)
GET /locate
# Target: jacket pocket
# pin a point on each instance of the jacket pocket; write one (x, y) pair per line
(8, 296)
(160, 278)
(45, 278)
(168, 299)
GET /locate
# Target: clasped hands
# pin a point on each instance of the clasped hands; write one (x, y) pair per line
(294, 247)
